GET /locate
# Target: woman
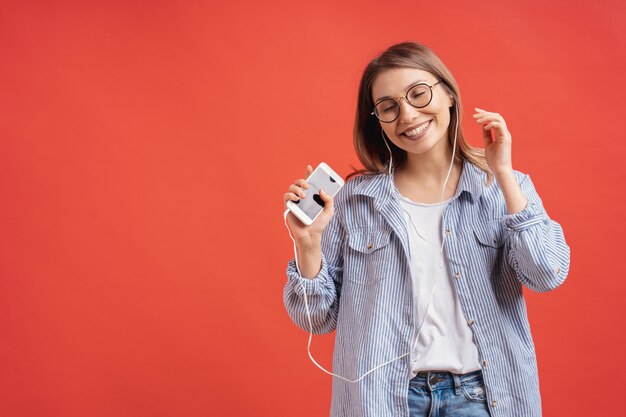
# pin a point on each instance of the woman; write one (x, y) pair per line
(418, 263)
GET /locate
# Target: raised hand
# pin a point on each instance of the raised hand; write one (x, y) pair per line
(497, 141)
(303, 234)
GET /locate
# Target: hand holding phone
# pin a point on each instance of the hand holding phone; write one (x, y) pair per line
(311, 201)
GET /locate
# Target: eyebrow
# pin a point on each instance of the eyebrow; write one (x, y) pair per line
(407, 87)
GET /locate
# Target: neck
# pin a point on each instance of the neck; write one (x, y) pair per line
(431, 167)
(422, 177)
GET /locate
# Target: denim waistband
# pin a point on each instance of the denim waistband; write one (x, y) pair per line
(444, 379)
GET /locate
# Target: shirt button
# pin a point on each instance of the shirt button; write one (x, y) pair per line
(485, 363)
(557, 269)
(370, 246)
(448, 232)
(457, 275)
(493, 403)
(470, 322)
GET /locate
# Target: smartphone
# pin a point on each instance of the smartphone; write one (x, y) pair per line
(308, 208)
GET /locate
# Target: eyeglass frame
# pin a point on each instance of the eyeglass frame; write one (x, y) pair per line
(405, 97)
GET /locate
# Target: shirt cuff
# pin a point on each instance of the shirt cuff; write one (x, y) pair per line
(312, 286)
(531, 215)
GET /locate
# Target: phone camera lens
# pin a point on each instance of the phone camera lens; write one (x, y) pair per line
(318, 200)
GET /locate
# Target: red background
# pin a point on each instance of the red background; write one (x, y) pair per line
(145, 147)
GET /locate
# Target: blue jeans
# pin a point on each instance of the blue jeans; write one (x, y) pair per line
(444, 394)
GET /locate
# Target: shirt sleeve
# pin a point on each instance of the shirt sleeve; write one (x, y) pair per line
(536, 246)
(323, 291)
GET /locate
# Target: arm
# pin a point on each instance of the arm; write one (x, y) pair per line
(536, 248)
(323, 290)
(513, 196)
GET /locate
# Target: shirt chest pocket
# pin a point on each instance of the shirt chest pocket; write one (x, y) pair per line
(490, 235)
(487, 243)
(367, 257)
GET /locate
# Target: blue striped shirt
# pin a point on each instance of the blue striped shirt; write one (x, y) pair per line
(363, 291)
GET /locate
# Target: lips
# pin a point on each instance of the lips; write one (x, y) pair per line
(417, 131)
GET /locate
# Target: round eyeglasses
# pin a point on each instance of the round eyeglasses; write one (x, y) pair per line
(420, 95)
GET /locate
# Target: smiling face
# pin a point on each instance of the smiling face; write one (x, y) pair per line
(416, 130)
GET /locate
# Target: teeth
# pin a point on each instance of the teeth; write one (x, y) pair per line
(417, 130)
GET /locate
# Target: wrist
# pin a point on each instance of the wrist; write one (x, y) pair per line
(311, 243)
(504, 174)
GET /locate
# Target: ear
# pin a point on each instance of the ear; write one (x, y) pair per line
(451, 100)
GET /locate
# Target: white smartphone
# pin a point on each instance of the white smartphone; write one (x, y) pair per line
(308, 208)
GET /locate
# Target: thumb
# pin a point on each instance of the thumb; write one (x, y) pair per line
(328, 201)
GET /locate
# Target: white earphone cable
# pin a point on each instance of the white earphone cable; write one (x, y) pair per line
(306, 301)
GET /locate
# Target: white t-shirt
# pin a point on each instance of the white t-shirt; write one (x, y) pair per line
(445, 342)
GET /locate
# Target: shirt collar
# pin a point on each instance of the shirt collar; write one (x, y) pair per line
(379, 186)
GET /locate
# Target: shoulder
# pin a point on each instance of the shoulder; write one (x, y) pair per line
(359, 179)
(356, 201)
(360, 184)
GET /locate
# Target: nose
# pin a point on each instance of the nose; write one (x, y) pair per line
(407, 112)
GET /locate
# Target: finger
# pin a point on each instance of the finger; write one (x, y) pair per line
(296, 190)
(302, 183)
(487, 138)
(328, 200)
(290, 197)
(308, 171)
(501, 133)
(479, 117)
(489, 118)
(479, 110)
(484, 116)
(487, 114)
(493, 125)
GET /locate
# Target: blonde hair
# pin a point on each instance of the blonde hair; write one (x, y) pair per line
(368, 140)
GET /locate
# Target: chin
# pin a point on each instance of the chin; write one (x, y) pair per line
(420, 147)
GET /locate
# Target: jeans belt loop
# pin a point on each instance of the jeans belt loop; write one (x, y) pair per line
(457, 384)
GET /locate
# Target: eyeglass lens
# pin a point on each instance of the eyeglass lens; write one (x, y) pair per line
(417, 96)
